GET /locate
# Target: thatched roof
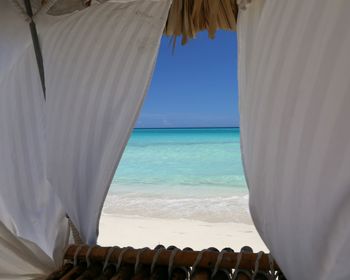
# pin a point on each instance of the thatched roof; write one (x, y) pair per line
(188, 17)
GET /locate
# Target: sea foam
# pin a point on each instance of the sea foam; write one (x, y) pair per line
(181, 174)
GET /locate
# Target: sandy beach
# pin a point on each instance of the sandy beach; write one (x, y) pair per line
(169, 189)
(142, 232)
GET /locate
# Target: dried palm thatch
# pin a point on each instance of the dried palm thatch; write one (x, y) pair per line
(188, 17)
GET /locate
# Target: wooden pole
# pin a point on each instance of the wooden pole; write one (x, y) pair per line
(182, 258)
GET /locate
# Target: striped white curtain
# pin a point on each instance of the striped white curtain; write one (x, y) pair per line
(98, 65)
(58, 156)
(294, 83)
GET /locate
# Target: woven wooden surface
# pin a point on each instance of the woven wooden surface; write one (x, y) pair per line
(84, 262)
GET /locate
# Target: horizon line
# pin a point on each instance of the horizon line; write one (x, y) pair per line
(186, 127)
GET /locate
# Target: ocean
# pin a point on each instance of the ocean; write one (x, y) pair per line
(191, 173)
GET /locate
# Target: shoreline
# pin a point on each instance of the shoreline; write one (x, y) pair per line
(140, 232)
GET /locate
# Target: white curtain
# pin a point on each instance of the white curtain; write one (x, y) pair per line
(294, 87)
(58, 157)
(22, 259)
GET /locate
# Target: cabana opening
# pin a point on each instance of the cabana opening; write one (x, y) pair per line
(73, 77)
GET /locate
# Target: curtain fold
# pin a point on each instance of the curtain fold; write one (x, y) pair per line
(22, 259)
(98, 63)
(58, 156)
(294, 104)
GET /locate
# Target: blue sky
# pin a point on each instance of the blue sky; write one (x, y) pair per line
(196, 86)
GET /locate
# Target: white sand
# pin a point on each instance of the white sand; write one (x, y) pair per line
(149, 232)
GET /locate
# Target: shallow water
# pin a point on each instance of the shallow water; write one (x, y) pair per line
(181, 173)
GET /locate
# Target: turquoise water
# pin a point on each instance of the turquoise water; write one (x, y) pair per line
(181, 173)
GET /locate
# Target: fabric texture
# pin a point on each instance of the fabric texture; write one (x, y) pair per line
(294, 88)
(22, 259)
(58, 156)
